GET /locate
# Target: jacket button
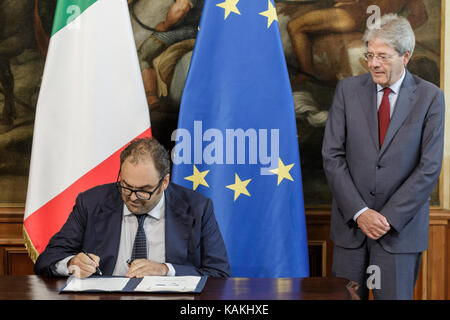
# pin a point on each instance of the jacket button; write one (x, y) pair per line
(372, 193)
(378, 167)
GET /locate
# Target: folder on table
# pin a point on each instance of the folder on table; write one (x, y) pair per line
(151, 284)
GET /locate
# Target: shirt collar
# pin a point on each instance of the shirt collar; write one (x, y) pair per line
(396, 86)
(156, 213)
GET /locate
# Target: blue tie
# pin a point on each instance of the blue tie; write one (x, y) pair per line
(140, 242)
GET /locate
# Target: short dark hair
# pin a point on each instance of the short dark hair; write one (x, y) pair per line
(145, 148)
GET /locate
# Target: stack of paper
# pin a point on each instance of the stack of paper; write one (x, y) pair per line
(169, 284)
(146, 284)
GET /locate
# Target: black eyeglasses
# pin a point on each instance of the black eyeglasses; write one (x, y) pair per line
(140, 194)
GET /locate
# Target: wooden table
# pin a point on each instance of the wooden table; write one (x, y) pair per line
(43, 288)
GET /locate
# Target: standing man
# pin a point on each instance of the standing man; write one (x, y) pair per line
(382, 155)
(142, 225)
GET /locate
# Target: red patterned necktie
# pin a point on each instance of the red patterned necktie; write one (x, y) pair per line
(384, 113)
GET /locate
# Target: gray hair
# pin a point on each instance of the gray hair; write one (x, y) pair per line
(395, 31)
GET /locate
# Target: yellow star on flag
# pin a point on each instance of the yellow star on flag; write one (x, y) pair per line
(283, 171)
(270, 14)
(198, 178)
(239, 187)
(229, 6)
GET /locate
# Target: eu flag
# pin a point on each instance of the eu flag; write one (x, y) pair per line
(236, 140)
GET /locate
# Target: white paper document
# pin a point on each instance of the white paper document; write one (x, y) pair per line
(96, 284)
(122, 284)
(168, 284)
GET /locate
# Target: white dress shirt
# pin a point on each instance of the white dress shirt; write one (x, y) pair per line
(393, 96)
(154, 227)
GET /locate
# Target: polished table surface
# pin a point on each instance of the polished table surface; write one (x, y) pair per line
(43, 288)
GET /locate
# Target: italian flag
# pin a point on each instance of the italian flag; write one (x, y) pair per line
(91, 105)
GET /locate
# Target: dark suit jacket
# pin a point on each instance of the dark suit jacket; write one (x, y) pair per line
(396, 180)
(194, 244)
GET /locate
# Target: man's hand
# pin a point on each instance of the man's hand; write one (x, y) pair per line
(81, 266)
(142, 267)
(373, 224)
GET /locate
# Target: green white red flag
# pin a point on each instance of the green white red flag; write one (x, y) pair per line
(91, 105)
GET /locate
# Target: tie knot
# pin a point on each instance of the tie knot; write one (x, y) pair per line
(387, 90)
(140, 218)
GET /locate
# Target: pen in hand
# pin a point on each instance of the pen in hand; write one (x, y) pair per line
(96, 268)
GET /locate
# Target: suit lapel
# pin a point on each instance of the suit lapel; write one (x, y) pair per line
(108, 226)
(401, 110)
(178, 227)
(368, 101)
